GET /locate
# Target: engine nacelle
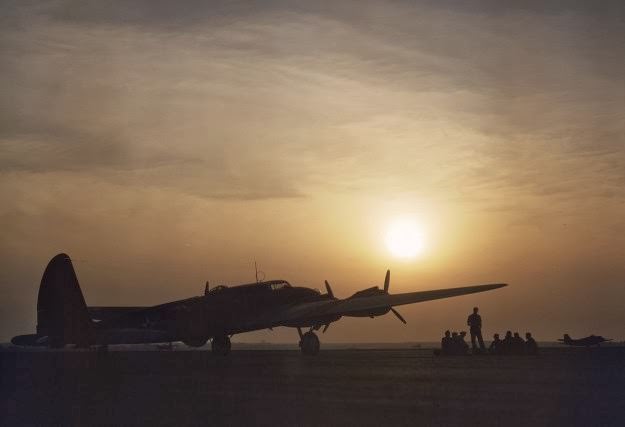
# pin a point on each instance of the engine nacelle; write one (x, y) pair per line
(369, 292)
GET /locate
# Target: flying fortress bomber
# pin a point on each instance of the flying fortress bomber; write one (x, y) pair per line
(64, 318)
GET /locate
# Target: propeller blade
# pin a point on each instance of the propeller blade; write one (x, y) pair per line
(387, 280)
(325, 328)
(329, 289)
(396, 313)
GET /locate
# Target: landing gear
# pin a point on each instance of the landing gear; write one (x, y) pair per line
(195, 341)
(309, 343)
(221, 345)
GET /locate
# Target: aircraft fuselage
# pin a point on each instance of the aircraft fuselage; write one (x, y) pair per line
(221, 312)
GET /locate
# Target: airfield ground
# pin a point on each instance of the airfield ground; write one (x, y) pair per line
(338, 387)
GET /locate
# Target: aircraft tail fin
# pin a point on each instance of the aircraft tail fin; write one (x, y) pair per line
(62, 314)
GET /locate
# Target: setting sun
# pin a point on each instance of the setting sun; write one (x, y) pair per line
(405, 239)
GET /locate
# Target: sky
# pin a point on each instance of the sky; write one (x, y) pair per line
(163, 144)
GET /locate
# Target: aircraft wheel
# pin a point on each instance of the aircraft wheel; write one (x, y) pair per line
(195, 342)
(309, 344)
(221, 345)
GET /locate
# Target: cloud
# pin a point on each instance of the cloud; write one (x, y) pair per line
(141, 125)
(234, 101)
(246, 99)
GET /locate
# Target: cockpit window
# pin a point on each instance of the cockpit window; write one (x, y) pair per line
(279, 285)
(218, 289)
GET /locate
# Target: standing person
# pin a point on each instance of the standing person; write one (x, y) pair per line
(475, 324)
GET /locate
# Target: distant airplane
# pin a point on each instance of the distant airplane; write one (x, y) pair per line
(592, 340)
(64, 318)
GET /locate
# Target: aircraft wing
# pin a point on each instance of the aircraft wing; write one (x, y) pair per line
(359, 304)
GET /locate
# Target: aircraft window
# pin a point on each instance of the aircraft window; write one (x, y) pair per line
(217, 289)
(276, 286)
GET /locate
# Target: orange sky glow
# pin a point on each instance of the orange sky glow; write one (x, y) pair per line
(164, 146)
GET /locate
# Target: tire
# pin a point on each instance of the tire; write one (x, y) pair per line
(221, 345)
(195, 342)
(310, 344)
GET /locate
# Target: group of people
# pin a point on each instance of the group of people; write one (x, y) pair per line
(513, 344)
(453, 343)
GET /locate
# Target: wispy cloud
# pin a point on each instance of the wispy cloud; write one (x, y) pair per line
(511, 110)
(307, 90)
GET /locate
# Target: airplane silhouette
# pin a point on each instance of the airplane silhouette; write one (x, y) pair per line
(592, 340)
(64, 318)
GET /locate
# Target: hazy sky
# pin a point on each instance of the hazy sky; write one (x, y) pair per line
(162, 144)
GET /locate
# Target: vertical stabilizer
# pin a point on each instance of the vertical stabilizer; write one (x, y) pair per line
(61, 310)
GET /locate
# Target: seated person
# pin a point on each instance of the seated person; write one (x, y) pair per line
(446, 343)
(495, 346)
(462, 344)
(507, 343)
(531, 347)
(454, 344)
(518, 344)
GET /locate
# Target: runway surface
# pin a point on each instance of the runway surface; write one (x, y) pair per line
(338, 387)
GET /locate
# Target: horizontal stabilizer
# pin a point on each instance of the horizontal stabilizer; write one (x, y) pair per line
(31, 340)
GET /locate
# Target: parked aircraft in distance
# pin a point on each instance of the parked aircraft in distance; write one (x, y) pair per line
(592, 340)
(64, 318)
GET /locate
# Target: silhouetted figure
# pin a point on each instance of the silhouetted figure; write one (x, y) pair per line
(531, 347)
(518, 344)
(446, 343)
(463, 347)
(475, 327)
(495, 346)
(507, 343)
(454, 346)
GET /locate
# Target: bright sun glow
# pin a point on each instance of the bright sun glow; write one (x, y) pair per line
(405, 239)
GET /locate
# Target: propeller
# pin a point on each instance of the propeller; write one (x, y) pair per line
(330, 294)
(329, 290)
(396, 313)
(387, 283)
(387, 280)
